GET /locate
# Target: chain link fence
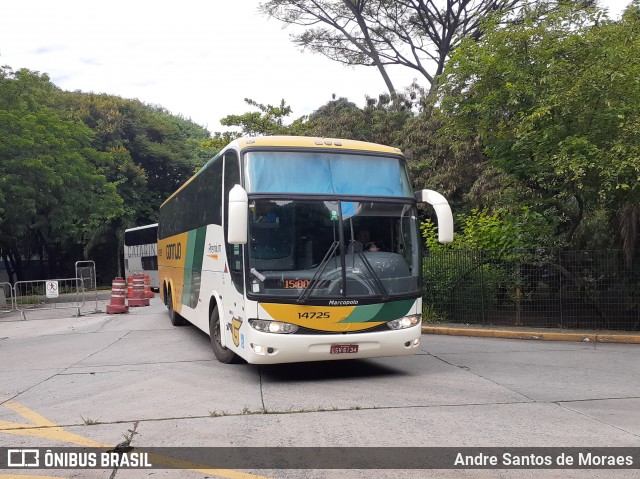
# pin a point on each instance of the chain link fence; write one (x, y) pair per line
(535, 288)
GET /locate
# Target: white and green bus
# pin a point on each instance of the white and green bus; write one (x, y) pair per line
(287, 249)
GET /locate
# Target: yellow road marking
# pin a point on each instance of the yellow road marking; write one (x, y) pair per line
(41, 427)
(22, 476)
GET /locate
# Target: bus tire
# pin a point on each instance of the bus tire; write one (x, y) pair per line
(175, 318)
(222, 354)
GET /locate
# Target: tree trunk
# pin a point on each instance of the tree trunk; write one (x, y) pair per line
(373, 53)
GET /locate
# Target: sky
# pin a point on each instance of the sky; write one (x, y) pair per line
(196, 58)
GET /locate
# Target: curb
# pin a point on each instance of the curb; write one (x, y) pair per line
(534, 335)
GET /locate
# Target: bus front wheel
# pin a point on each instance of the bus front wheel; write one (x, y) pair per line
(222, 354)
(175, 318)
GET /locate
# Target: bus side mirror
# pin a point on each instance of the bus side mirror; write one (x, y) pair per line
(443, 213)
(238, 214)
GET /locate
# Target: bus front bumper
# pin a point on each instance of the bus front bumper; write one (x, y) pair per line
(267, 348)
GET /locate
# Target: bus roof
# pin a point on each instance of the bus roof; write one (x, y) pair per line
(283, 141)
(154, 225)
(313, 142)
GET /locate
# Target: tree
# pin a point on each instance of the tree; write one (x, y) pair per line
(417, 34)
(380, 121)
(151, 151)
(145, 151)
(437, 159)
(554, 101)
(498, 231)
(268, 120)
(52, 194)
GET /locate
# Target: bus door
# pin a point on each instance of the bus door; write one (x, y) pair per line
(233, 315)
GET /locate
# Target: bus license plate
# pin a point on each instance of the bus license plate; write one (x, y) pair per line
(344, 348)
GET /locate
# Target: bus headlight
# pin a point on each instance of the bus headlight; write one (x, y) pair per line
(276, 327)
(405, 322)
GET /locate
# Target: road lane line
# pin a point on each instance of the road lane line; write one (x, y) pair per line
(41, 427)
(23, 476)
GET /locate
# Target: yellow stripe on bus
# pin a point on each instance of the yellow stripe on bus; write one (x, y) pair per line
(324, 318)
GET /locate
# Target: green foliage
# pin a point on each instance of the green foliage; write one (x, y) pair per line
(484, 263)
(381, 120)
(150, 152)
(53, 196)
(452, 164)
(534, 141)
(554, 102)
(339, 119)
(221, 139)
(496, 231)
(76, 169)
(268, 120)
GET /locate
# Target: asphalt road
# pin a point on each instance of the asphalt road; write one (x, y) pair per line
(86, 381)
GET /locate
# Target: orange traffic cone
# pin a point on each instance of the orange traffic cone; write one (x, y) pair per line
(138, 292)
(147, 288)
(116, 305)
(129, 286)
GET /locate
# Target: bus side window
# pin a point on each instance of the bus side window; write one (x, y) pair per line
(214, 177)
(234, 252)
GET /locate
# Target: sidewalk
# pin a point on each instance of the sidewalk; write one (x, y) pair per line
(545, 334)
(93, 303)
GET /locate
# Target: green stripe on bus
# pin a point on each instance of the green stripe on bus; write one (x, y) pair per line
(188, 267)
(193, 266)
(198, 254)
(362, 314)
(379, 313)
(394, 310)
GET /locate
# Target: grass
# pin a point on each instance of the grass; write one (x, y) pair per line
(89, 421)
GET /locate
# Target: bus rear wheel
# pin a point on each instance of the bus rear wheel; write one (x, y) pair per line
(223, 354)
(175, 318)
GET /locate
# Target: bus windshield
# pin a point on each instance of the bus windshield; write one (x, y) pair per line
(306, 249)
(326, 173)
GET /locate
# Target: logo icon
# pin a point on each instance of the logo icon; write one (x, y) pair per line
(23, 458)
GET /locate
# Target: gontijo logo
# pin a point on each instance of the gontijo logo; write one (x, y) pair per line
(174, 250)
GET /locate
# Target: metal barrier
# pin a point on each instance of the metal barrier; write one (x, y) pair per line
(86, 271)
(67, 293)
(6, 298)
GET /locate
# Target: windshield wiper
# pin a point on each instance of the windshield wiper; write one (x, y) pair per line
(321, 267)
(374, 275)
(258, 275)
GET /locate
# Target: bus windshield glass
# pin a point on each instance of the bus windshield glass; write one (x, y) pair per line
(307, 249)
(325, 173)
